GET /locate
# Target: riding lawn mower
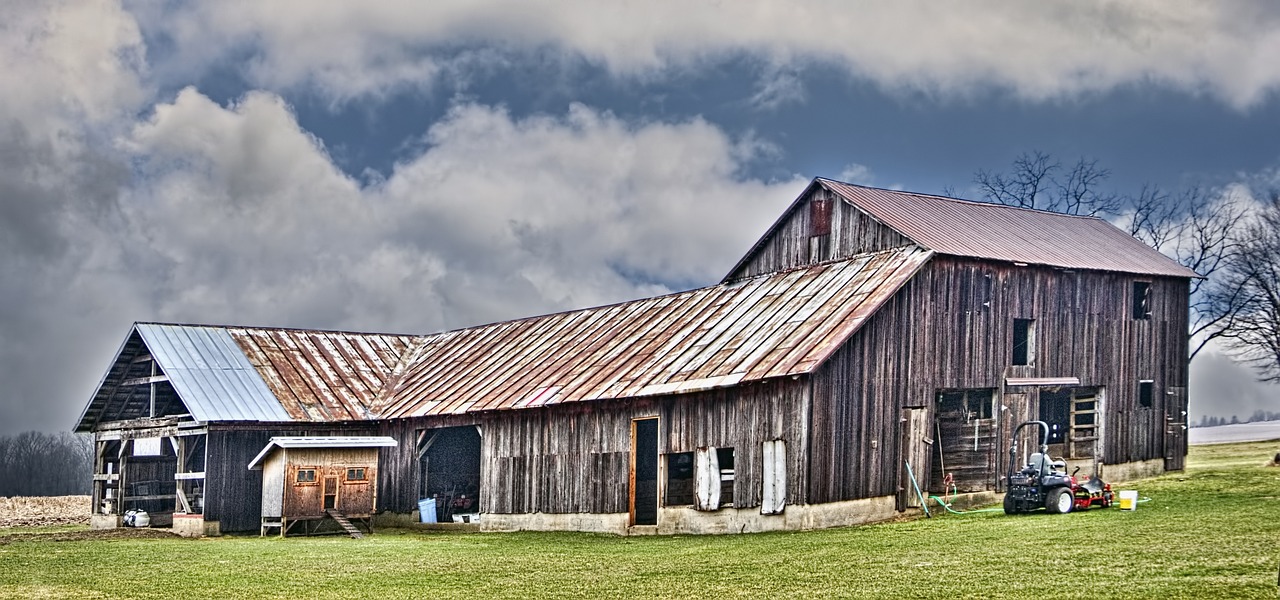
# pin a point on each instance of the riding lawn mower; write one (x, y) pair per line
(1043, 482)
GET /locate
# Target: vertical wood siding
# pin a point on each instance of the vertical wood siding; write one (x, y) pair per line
(576, 458)
(791, 245)
(951, 329)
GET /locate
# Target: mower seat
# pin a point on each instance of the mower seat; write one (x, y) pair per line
(1040, 463)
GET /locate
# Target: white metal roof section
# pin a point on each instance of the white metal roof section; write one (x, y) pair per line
(371, 441)
(211, 374)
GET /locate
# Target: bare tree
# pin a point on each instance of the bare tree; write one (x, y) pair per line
(1037, 180)
(34, 463)
(1253, 276)
(1198, 228)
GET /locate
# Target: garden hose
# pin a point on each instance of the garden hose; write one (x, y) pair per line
(964, 512)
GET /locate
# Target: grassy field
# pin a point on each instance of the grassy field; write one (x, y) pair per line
(1210, 532)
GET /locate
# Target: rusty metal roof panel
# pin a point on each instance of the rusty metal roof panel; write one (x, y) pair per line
(322, 375)
(993, 231)
(209, 372)
(768, 326)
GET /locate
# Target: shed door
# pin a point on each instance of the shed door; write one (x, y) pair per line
(915, 452)
(330, 491)
(1175, 430)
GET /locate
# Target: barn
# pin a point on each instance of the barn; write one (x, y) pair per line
(866, 331)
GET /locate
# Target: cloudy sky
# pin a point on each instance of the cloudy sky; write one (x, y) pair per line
(411, 167)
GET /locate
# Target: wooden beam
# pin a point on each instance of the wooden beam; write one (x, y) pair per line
(106, 476)
(150, 497)
(145, 380)
(182, 500)
(140, 358)
(186, 476)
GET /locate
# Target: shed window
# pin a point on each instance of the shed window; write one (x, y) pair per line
(355, 474)
(1024, 341)
(306, 476)
(1146, 393)
(1141, 300)
(679, 489)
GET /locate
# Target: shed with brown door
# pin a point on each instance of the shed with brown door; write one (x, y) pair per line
(306, 480)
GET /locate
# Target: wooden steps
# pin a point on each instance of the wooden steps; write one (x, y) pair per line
(346, 525)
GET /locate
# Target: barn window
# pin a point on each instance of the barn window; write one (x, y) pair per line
(679, 479)
(355, 474)
(1141, 300)
(1024, 342)
(306, 476)
(1146, 393)
(726, 475)
(713, 478)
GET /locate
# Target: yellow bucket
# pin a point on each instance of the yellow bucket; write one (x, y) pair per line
(1128, 499)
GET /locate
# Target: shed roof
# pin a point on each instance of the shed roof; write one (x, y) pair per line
(372, 441)
(773, 325)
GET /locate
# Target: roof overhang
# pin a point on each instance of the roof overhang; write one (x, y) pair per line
(372, 441)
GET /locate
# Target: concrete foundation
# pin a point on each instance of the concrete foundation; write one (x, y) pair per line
(686, 520)
(194, 526)
(105, 521)
(1131, 471)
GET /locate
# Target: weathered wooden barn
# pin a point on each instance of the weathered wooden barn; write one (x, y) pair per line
(867, 329)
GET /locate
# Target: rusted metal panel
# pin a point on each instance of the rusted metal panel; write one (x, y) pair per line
(696, 340)
(322, 375)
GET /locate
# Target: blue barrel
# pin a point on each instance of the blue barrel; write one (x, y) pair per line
(427, 510)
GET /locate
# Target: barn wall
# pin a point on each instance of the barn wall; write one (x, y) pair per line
(576, 458)
(851, 232)
(951, 327)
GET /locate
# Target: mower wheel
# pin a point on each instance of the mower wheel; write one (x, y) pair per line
(1059, 501)
(1010, 506)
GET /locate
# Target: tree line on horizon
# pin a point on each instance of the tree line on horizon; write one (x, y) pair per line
(36, 463)
(1258, 416)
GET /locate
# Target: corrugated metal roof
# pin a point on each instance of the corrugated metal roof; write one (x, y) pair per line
(209, 372)
(773, 325)
(992, 231)
(379, 441)
(322, 375)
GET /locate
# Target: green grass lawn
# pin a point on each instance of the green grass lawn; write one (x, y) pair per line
(1210, 532)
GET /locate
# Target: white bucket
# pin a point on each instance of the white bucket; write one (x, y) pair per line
(1128, 499)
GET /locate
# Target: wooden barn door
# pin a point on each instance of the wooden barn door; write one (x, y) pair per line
(644, 472)
(331, 489)
(916, 451)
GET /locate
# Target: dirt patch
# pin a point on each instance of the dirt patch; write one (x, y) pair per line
(122, 533)
(44, 511)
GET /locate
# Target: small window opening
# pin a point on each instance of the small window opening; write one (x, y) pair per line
(679, 479)
(725, 457)
(1146, 393)
(306, 476)
(1141, 300)
(1024, 339)
(355, 474)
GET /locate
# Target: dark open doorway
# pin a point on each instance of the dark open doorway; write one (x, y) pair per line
(449, 459)
(644, 472)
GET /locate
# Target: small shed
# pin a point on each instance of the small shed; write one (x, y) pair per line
(306, 480)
